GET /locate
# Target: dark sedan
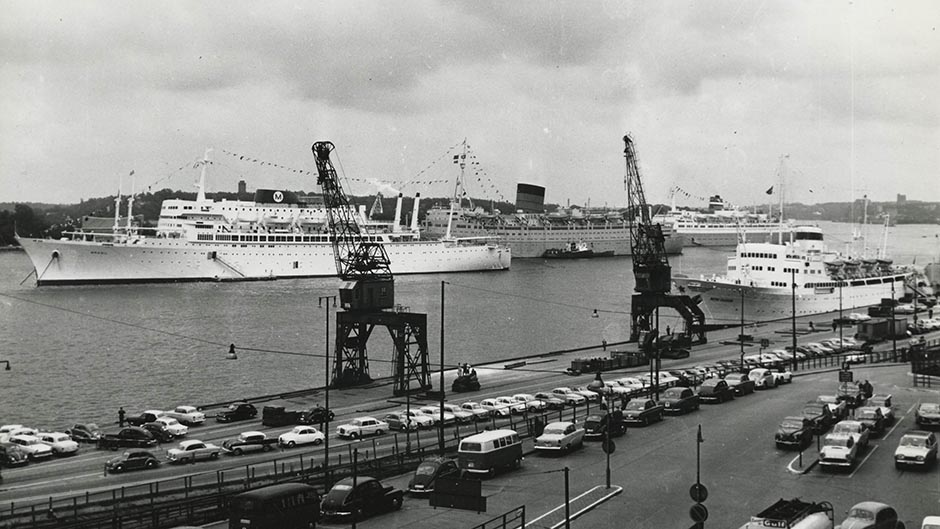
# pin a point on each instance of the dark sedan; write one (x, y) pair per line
(12, 455)
(84, 433)
(872, 418)
(132, 460)
(715, 390)
(428, 471)
(794, 432)
(159, 431)
(740, 384)
(359, 497)
(679, 400)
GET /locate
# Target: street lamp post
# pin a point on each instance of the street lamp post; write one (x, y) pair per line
(440, 434)
(793, 309)
(326, 376)
(741, 338)
(841, 343)
(894, 334)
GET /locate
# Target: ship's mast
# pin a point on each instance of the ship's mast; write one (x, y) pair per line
(130, 205)
(201, 186)
(117, 205)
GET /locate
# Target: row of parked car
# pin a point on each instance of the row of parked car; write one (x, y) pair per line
(21, 444)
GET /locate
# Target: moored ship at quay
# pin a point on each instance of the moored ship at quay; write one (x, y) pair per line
(277, 235)
(720, 224)
(759, 280)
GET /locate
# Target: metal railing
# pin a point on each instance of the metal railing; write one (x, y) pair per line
(511, 519)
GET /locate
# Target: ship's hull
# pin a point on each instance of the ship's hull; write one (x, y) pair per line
(723, 236)
(60, 262)
(722, 301)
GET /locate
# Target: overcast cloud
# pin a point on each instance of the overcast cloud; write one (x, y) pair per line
(713, 93)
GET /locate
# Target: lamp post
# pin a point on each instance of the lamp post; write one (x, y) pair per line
(440, 432)
(597, 385)
(894, 334)
(741, 338)
(793, 309)
(841, 343)
(326, 376)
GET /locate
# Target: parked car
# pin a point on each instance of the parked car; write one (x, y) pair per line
(916, 448)
(193, 450)
(839, 408)
(595, 426)
(820, 415)
(34, 448)
(359, 497)
(130, 437)
(425, 476)
(762, 377)
(301, 435)
(188, 415)
(851, 394)
(7, 430)
(632, 384)
(588, 394)
(435, 413)
(560, 436)
(643, 411)
(173, 426)
(361, 427)
(871, 515)
(794, 432)
(927, 414)
(532, 403)
(496, 408)
(419, 417)
(679, 400)
(237, 411)
(159, 431)
(399, 421)
(715, 390)
(144, 416)
(838, 451)
(857, 317)
(856, 429)
(479, 412)
(883, 401)
(316, 415)
(674, 353)
(463, 416)
(553, 402)
(61, 443)
(132, 460)
(249, 442)
(930, 522)
(570, 397)
(84, 432)
(781, 375)
(12, 455)
(740, 383)
(872, 418)
(904, 308)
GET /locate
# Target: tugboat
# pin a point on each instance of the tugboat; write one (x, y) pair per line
(575, 250)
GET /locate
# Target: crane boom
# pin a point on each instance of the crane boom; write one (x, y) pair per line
(362, 263)
(650, 264)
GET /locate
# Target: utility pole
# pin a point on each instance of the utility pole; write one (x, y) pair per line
(567, 502)
(326, 371)
(741, 338)
(793, 309)
(894, 334)
(440, 434)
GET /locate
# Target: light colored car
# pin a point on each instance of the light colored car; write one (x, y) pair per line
(7, 429)
(301, 435)
(930, 522)
(871, 515)
(838, 407)
(927, 414)
(617, 390)
(904, 308)
(422, 419)
(361, 427)
(916, 448)
(187, 415)
(781, 376)
(514, 405)
(855, 358)
(435, 412)
(838, 450)
(858, 316)
(478, 411)
(588, 394)
(633, 384)
(762, 377)
(61, 443)
(462, 415)
(35, 449)
(193, 450)
(820, 348)
(496, 408)
(552, 402)
(173, 426)
(563, 436)
(570, 397)
(856, 429)
(531, 403)
(883, 401)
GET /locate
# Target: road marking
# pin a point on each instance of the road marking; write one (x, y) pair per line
(56, 480)
(858, 466)
(615, 490)
(790, 467)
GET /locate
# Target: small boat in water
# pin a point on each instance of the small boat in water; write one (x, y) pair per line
(575, 250)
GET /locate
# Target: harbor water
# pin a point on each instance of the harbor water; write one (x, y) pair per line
(77, 353)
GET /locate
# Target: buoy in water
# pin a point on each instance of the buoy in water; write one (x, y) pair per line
(231, 353)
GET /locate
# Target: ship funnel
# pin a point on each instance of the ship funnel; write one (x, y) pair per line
(396, 227)
(530, 198)
(414, 213)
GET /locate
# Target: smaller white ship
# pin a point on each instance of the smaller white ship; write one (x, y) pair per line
(760, 276)
(720, 224)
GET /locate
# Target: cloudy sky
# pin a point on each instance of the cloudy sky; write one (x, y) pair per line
(714, 93)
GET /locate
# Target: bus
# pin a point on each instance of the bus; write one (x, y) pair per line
(283, 506)
(486, 452)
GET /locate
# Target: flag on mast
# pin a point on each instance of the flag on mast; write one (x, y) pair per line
(770, 191)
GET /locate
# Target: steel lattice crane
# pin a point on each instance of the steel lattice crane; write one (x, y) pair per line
(651, 266)
(368, 289)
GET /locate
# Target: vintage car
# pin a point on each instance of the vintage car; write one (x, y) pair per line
(740, 384)
(188, 415)
(316, 415)
(838, 407)
(872, 418)
(838, 450)
(851, 394)
(587, 393)
(927, 414)
(883, 401)
(130, 437)
(361, 427)
(173, 426)
(132, 460)
(192, 451)
(419, 417)
(7, 430)
(479, 412)
(794, 432)
(715, 390)
(359, 497)
(35, 449)
(632, 384)
(435, 413)
(463, 416)
(871, 515)
(496, 408)
(12, 455)
(781, 375)
(249, 442)
(856, 429)
(237, 411)
(159, 431)
(84, 432)
(560, 436)
(553, 402)
(820, 415)
(144, 416)
(763, 378)
(571, 397)
(532, 403)
(642, 411)
(61, 443)
(301, 435)
(595, 426)
(916, 448)
(679, 400)
(422, 482)
(399, 421)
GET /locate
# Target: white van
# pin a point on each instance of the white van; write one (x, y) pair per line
(486, 452)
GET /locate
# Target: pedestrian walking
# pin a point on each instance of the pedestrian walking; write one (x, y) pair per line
(121, 416)
(834, 325)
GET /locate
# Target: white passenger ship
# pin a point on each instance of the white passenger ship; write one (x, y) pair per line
(278, 235)
(720, 225)
(760, 275)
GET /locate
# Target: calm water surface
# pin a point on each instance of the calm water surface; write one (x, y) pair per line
(80, 352)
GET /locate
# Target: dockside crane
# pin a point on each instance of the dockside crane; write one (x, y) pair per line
(366, 295)
(651, 270)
